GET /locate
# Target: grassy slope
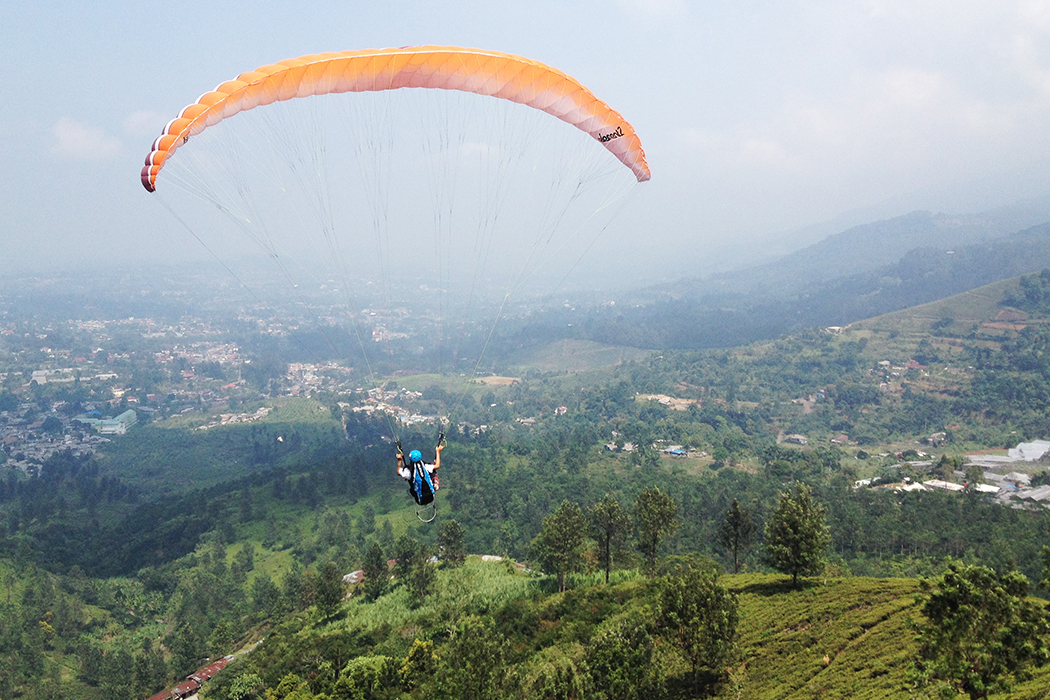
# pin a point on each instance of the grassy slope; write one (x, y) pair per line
(975, 306)
(861, 625)
(573, 356)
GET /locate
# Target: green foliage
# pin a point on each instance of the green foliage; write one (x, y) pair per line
(559, 545)
(247, 686)
(291, 687)
(473, 663)
(699, 615)
(735, 531)
(1033, 294)
(621, 659)
(419, 665)
(451, 543)
(797, 534)
(610, 525)
(376, 576)
(265, 596)
(981, 631)
(368, 677)
(405, 549)
(654, 514)
(422, 578)
(329, 589)
(554, 673)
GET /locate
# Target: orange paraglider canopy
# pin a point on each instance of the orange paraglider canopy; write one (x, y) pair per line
(492, 73)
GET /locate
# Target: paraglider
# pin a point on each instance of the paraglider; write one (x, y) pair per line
(503, 188)
(492, 73)
(423, 480)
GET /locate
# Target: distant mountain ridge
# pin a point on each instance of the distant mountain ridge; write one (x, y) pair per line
(860, 249)
(815, 295)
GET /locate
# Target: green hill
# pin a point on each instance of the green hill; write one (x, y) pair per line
(979, 306)
(840, 638)
(833, 638)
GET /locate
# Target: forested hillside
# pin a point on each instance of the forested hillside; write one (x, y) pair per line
(124, 570)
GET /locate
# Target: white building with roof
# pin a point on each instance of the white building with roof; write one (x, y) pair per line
(1030, 451)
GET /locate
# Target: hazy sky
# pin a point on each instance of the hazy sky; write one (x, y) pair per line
(757, 117)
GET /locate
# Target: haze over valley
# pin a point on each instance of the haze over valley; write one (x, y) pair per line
(639, 349)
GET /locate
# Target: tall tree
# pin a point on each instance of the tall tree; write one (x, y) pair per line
(451, 543)
(735, 531)
(376, 575)
(422, 575)
(150, 669)
(405, 549)
(610, 524)
(188, 647)
(330, 589)
(559, 546)
(655, 517)
(981, 631)
(265, 596)
(699, 615)
(797, 534)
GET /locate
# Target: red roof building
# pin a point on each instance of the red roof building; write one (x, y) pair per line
(185, 689)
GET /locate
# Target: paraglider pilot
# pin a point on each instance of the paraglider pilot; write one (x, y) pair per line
(421, 476)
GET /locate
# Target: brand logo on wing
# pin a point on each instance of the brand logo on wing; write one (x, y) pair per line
(612, 135)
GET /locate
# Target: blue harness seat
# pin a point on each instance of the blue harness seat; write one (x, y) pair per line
(421, 486)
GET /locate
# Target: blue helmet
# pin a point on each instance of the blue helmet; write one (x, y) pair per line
(415, 456)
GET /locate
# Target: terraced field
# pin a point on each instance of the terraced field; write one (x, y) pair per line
(839, 638)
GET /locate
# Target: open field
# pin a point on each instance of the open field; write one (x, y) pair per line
(572, 356)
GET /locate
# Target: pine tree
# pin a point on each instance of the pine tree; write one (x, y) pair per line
(450, 543)
(797, 535)
(610, 524)
(654, 513)
(422, 575)
(559, 546)
(736, 531)
(376, 575)
(330, 590)
(404, 558)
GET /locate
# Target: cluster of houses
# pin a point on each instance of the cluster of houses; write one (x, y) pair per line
(306, 377)
(382, 401)
(672, 402)
(235, 418)
(660, 446)
(27, 443)
(1012, 489)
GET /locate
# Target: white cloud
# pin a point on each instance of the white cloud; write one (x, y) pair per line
(83, 141)
(144, 123)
